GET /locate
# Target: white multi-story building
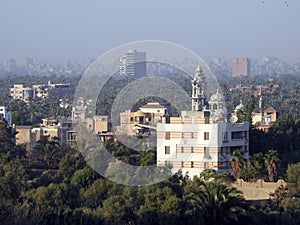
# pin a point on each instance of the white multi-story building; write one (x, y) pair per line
(202, 138)
(5, 114)
(133, 63)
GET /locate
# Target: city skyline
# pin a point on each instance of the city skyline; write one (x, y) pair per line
(81, 29)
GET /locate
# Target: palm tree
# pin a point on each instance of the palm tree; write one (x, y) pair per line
(47, 151)
(237, 163)
(271, 161)
(217, 203)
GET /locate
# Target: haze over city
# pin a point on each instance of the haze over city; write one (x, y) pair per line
(80, 29)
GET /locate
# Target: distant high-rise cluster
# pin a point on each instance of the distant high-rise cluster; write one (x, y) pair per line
(240, 67)
(132, 63)
(10, 65)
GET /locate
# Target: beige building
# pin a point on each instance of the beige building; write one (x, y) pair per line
(22, 93)
(240, 67)
(99, 125)
(264, 120)
(140, 122)
(24, 136)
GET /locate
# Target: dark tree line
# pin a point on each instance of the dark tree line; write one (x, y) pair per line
(68, 191)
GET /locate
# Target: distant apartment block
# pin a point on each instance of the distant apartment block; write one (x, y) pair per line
(240, 67)
(18, 91)
(132, 63)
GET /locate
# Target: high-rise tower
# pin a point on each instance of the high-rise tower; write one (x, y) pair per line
(133, 63)
(240, 67)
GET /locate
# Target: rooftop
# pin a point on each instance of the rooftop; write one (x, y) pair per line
(153, 105)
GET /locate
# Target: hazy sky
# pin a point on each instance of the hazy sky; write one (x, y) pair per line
(61, 29)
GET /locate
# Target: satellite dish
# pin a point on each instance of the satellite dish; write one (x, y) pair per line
(234, 119)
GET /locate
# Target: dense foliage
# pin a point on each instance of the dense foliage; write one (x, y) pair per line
(53, 185)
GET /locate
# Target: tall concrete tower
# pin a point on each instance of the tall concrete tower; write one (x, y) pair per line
(240, 67)
(132, 63)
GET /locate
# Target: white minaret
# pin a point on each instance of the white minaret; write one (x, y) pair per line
(198, 97)
(261, 105)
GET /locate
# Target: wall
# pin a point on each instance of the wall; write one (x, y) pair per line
(258, 190)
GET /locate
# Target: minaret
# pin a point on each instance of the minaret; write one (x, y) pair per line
(261, 105)
(198, 97)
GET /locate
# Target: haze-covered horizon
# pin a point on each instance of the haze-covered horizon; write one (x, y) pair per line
(58, 30)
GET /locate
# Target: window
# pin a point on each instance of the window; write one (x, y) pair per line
(206, 151)
(224, 150)
(182, 135)
(192, 149)
(206, 136)
(237, 135)
(182, 164)
(167, 136)
(206, 117)
(225, 136)
(182, 149)
(167, 150)
(168, 119)
(192, 135)
(192, 164)
(206, 165)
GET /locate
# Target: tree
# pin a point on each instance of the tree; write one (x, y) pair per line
(293, 177)
(217, 203)
(6, 136)
(237, 163)
(271, 161)
(249, 109)
(48, 151)
(255, 168)
(113, 211)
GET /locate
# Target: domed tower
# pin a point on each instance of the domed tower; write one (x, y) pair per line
(217, 106)
(198, 97)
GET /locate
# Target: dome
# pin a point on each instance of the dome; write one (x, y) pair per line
(217, 97)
